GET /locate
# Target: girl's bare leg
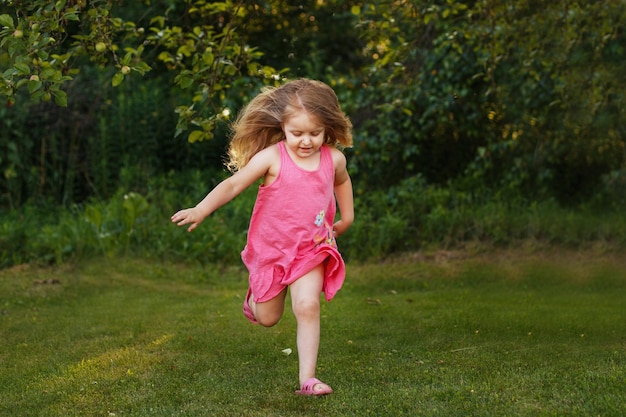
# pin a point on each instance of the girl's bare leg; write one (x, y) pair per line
(305, 298)
(269, 312)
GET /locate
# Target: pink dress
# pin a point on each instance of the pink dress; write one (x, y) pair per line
(291, 229)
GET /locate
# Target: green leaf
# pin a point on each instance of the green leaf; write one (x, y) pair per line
(165, 57)
(39, 95)
(59, 5)
(21, 83)
(72, 16)
(6, 21)
(48, 73)
(158, 21)
(186, 50)
(142, 67)
(208, 57)
(195, 136)
(34, 86)
(94, 216)
(118, 78)
(184, 81)
(128, 57)
(13, 48)
(22, 69)
(60, 98)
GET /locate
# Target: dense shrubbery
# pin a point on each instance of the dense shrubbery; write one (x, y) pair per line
(407, 217)
(484, 122)
(504, 95)
(486, 94)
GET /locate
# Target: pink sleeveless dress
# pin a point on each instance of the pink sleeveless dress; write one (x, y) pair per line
(291, 229)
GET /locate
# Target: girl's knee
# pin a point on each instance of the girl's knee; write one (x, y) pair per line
(269, 313)
(268, 320)
(308, 308)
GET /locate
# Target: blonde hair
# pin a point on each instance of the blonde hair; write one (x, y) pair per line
(259, 124)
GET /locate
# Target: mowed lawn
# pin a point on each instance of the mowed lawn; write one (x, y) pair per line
(509, 333)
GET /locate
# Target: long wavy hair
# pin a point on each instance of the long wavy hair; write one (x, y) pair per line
(259, 124)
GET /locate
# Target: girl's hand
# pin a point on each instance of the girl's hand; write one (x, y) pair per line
(191, 216)
(340, 227)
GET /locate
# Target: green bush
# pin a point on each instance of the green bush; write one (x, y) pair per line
(409, 217)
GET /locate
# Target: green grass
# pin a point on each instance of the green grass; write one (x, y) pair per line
(447, 334)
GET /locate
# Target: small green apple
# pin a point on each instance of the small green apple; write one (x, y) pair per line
(125, 69)
(101, 47)
(18, 33)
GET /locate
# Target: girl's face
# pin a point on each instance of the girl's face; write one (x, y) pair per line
(304, 135)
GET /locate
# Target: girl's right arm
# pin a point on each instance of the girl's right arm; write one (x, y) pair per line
(343, 194)
(226, 190)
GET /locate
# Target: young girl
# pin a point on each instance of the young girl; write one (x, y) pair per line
(287, 136)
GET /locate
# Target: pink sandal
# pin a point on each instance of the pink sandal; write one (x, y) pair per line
(309, 385)
(247, 311)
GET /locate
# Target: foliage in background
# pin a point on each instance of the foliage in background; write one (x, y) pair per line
(207, 50)
(409, 217)
(45, 45)
(512, 98)
(50, 49)
(311, 38)
(481, 121)
(105, 139)
(522, 97)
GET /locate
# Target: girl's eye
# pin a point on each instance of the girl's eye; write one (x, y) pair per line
(316, 133)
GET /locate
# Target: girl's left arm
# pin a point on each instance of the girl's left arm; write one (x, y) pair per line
(343, 194)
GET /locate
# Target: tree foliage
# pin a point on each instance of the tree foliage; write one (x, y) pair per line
(46, 43)
(522, 95)
(517, 98)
